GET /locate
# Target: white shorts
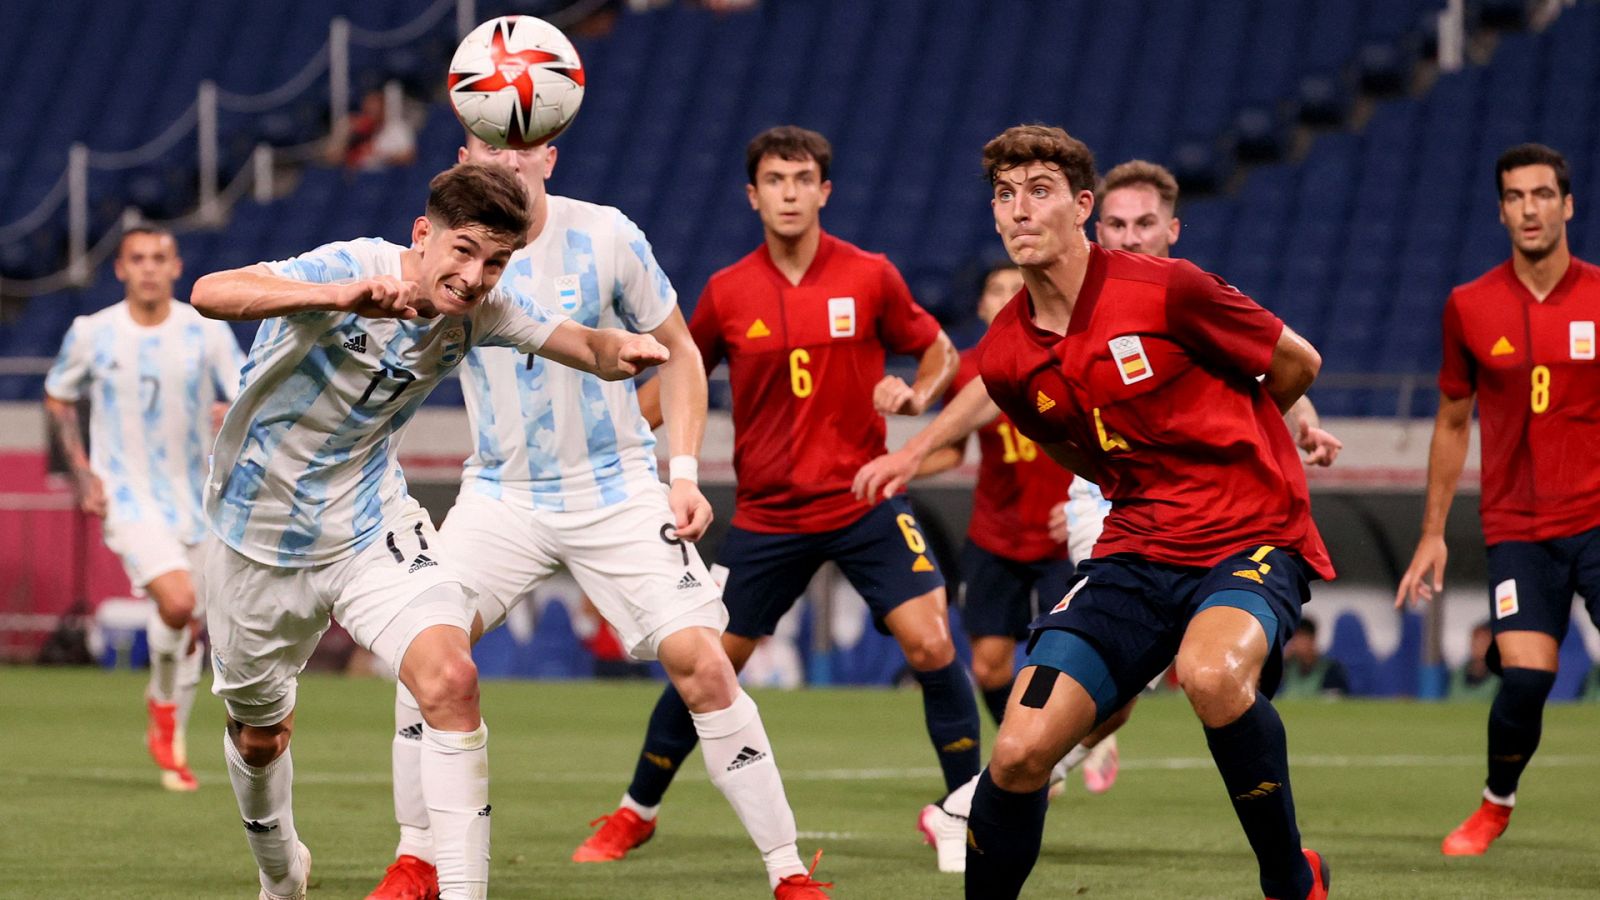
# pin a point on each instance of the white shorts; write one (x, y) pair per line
(149, 551)
(1087, 509)
(646, 586)
(266, 620)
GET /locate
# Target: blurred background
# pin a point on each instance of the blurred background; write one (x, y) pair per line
(1335, 156)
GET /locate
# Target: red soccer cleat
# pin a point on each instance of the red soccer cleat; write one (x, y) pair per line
(619, 832)
(408, 878)
(1321, 876)
(1474, 836)
(160, 733)
(801, 886)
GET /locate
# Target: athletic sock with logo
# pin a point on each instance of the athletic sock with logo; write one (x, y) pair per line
(739, 760)
(266, 803)
(166, 652)
(952, 717)
(1003, 835)
(1252, 754)
(410, 809)
(455, 782)
(1516, 720)
(668, 741)
(995, 699)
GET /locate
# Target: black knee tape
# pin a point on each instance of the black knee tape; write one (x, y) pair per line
(1040, 686)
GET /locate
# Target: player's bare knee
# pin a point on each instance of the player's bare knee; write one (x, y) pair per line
(929, 652)
(1219, 692)
(259, 746)
(176, 609)
(1019, 763)
(990, 672)
(706, 681)
(447, 685)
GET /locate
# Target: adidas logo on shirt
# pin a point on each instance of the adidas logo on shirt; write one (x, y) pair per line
(357, 344)
(411, 732)
(748, 756)
(687, 581)
(421, 562)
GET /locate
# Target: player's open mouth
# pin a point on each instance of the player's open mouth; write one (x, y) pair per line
(456, 293)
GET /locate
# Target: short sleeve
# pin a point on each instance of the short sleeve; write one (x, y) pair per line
(1220, 325)
(904, 327)
(1008, 388)
(340, 262)
(224, 358)
(70, 371)
(706, 329)
(1457, 368)
(643, 293)
(510, 318)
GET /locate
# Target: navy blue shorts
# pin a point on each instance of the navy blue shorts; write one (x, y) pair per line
(1133, 612)
(1531, 583)
(997, 593)
(884, 555)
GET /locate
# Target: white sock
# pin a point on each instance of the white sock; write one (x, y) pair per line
(959, 801)
(739, 760)
(1076, 756)
(166, 649)
(410, 809)
(266, 801)
(1508, 800)
(647, 813)
(454, 773)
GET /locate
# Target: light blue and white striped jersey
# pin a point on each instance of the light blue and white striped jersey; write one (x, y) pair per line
(550, 437)
(306, 469)
(151, 390)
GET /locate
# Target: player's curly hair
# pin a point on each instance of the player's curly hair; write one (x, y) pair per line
(1023, 144)
(790, 142)
(487, 196)
(1141, 172)
(1532, 155)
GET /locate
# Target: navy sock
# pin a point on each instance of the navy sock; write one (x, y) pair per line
(995, 699)
(668, 742)
(952, 717)
(1252, 753)
(1515, 722)
(1003, 835)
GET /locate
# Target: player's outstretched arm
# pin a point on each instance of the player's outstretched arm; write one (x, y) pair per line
(935, 368)
(254, 293)
(1321, 447)
(681, 387)
(1452, 431)
(970, 410)
(1295, 364)
(611, 353)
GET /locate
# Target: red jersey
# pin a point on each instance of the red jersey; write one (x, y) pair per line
(1155, 384)
(1534, 370)
(803, 361)
(1017, 487)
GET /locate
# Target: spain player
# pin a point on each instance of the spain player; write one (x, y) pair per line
(1142, 374)
(805, 321)
(1521, 340)
(309, 513)
(564, 475)
(155, 372)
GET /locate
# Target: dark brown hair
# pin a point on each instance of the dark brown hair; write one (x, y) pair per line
(1532, 155)
(146, 228)
(790, 142)
(1136, 172)
(1023, 144)
(490, 197)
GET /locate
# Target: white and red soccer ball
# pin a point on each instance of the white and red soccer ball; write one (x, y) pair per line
(516, 81)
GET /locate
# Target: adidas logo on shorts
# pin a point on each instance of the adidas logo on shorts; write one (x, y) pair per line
(687, 581)
(421, 562)
(357, 344)
(748, 756)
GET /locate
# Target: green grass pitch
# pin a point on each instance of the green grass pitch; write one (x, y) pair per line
(1378, 785)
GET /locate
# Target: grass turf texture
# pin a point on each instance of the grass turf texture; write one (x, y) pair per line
(1378, 785)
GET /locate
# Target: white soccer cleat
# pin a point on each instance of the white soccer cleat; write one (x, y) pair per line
(1058, 779)
(1101, 765)
(947, 833)
(299, 893)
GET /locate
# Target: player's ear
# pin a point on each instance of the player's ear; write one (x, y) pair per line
(420, 229)
(1085, 202)
(1566, 211)
(827, 189)
(461, 155)
(1173, 228)
(750, 192)
(550, 160)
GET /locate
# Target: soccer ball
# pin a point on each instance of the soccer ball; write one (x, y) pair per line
(516, 81)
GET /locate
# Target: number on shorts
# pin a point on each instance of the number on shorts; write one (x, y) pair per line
(908, 528)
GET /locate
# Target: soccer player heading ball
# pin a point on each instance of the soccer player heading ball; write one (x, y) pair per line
(1521, 339)
(1142, 374)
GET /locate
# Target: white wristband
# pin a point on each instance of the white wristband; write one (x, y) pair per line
(685, 468)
